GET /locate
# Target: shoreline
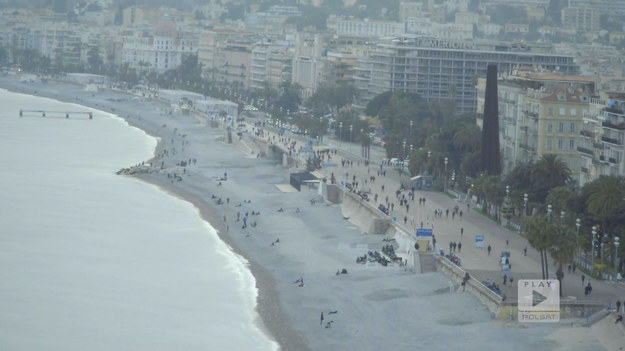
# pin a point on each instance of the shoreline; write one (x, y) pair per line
(273, 320)
(376, 305)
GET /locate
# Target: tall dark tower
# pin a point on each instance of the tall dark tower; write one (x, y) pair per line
(491, 163)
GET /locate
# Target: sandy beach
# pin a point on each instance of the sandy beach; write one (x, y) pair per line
(371, 307)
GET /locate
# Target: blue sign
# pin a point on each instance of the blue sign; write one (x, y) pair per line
(329, 165)
(424, 232)
(479, 241)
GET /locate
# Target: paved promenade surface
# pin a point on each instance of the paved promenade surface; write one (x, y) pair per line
(447, 229)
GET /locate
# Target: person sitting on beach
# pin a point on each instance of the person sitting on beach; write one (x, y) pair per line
(299, 282)
(297, 210)
(281, 209)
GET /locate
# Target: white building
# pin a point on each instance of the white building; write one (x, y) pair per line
(308, 63)
(161, 50)
(366, 28)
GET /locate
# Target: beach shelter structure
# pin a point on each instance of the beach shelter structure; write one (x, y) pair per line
(300, 178)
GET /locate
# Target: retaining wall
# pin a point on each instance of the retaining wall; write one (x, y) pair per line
(491, 300)
(362, 214)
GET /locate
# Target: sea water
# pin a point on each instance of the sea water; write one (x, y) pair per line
(90, 260)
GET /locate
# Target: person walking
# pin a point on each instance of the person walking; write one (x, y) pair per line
(461, 232)
(588, 289)
(618, 306)
(525, 251)
(583, 278)
(459, 247)
(321, 323)
(488, 249)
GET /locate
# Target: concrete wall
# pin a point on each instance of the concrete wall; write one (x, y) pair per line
(363, 215)
(332, 193)
(491, 300)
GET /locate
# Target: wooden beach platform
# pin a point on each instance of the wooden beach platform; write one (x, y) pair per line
(47, 113)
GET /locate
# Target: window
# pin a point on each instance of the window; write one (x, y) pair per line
(560, 144)
(573, 112)
(549, 128)
(561, 127)
(562, 111)
(572, 128)
(550, 111)
(572, 144)
(548, 144)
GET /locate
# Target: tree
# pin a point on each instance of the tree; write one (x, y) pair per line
(536, 230)
(467, 138)
(375, 105)
(562, 246)
(606, 202)
(549, 172)
(290, 97)
(94, 60)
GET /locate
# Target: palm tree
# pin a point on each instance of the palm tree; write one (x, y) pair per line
(548, 173)
(467, 138)
(537, 231)
(606, 202)
(562, 246)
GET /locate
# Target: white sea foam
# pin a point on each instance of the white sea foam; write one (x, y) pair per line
(94, 261)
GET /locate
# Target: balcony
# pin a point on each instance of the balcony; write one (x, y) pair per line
(527, 147)
(613, 160)
(614, 110)
(611, 125)
(611, 140)
(585, 150)
(584, 170)
(531, 114)
(587, 133)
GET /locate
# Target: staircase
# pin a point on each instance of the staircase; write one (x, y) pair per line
(428, 262)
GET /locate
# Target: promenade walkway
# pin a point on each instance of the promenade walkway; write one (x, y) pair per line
(448, 229)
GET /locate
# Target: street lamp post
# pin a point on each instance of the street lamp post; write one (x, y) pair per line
(594, 237)
(453, 179)
(616, 244)
(404, 155)
(445, 185)
(507, 192)
(549, 212)
(340, 131)
(351, 128)
(525, 199)
(410, 128)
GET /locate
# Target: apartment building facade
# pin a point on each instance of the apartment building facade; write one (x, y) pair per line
(602, 138)
(540, 114)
